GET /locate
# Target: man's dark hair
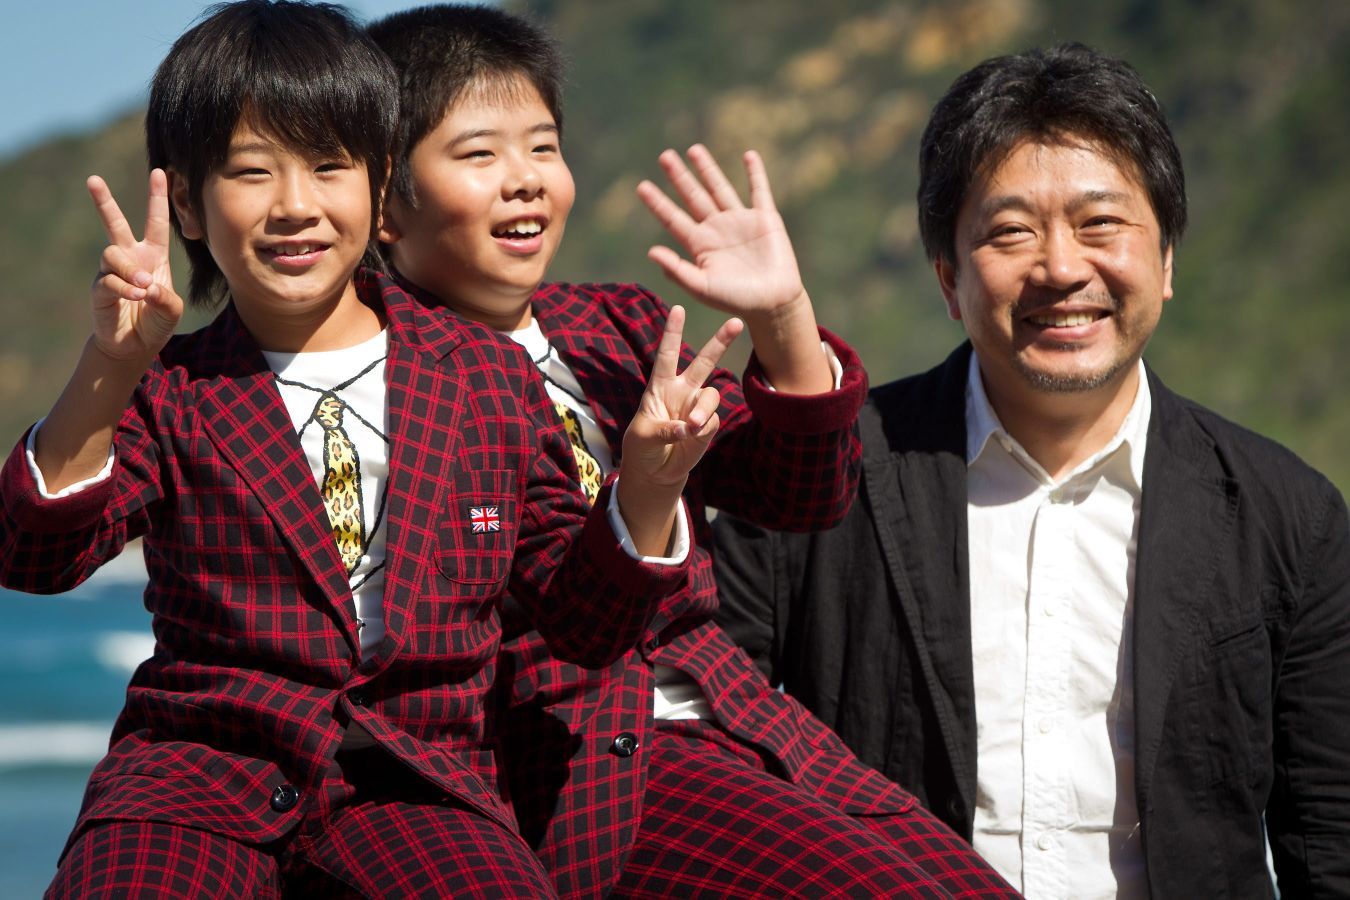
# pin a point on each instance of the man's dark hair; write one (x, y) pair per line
(1067, 93)
(443, 51)
(304, 73)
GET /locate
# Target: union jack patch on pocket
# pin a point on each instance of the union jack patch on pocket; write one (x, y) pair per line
(484, 518)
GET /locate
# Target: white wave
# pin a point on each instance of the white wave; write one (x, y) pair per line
(123, 651)
(50, 743)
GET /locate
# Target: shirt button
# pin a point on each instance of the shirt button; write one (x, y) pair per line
(1046, 725)
(284, 798)
(357, 696)
(1044, 842)
(625, 744)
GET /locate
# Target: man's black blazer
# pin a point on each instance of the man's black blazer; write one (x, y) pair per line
(1241, 636)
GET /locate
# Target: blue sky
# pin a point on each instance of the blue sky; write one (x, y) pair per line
(72, 64)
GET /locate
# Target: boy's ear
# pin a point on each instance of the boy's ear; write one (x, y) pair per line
(187, 217)
(390, 232)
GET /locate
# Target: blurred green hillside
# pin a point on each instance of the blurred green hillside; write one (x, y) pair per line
(834, 96)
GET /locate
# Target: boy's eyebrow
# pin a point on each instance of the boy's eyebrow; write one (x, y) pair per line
(252, 147)
(470, 134)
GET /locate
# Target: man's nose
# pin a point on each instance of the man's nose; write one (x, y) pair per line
(1063, 262)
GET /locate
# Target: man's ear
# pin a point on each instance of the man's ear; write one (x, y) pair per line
(1167, 273)
(946, 276)
(187, 217)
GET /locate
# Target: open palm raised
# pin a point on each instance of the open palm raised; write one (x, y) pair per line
(742, 257)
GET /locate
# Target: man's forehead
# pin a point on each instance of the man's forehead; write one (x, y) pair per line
(1076, 170)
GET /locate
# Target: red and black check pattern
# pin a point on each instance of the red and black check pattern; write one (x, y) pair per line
(230, 726)
(784, 459)
(716, 825)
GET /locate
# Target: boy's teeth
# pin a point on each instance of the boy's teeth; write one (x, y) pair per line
(1065, 320)
(521, 229)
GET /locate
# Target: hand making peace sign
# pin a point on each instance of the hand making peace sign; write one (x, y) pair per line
(677, 416)
(134, 304)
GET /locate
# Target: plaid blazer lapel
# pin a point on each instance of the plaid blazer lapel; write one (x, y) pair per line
(424, 413)
(248, 423)
(599, 357)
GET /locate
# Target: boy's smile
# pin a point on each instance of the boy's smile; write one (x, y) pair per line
(493, 194)
(287, 231)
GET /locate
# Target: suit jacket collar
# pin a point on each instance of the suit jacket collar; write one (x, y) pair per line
(600, 357)
(247, 420)
(914, 483)
(1188, 514)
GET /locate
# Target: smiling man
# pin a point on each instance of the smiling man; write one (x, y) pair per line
(1095, 627)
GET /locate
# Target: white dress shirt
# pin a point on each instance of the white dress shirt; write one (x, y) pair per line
(1052, 568)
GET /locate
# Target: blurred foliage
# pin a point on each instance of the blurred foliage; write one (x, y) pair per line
(834, 96)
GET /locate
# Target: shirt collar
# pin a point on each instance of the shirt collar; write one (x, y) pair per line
(982, 423)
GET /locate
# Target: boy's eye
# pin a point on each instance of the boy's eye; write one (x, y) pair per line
(478, 154)
(330, 167)
(546, 148)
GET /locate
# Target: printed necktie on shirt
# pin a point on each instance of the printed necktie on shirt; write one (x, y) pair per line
(341, 487)
(587, 467)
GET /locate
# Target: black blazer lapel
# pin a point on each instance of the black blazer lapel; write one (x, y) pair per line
(1187, 516)
(916, 490)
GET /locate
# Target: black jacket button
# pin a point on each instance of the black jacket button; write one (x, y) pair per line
(956, 810)
(284, 798)
(625, 744)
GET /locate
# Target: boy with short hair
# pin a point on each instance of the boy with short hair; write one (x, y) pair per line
(688, 774)
(334, 485)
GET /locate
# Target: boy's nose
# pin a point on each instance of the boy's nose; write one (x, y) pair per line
(295, 201)
(524, 182)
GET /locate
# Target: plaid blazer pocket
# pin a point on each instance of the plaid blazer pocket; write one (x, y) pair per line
(476, 539)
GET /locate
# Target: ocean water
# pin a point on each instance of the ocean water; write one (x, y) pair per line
(67, 659)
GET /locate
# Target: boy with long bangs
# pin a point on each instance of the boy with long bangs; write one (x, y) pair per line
(334, 485)
(676, 771)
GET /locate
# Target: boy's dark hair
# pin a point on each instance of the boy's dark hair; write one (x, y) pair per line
(443, 51)
(305, 73)
(1069, 92)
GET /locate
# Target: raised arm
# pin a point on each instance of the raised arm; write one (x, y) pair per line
(135, 310)
(741, 262)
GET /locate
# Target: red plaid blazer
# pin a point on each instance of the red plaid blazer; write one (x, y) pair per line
(232, 722)
(568, 732)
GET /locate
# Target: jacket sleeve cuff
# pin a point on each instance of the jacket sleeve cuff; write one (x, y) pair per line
(31, 508)
(809, 413)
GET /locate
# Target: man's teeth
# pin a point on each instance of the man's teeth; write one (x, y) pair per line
(1065, 320)
(527, 228)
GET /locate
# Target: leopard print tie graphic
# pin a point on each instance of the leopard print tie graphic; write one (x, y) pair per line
(341, 487)
(591, 476)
